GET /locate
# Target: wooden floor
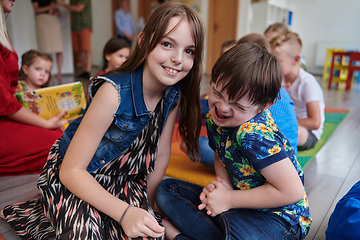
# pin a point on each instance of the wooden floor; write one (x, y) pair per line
(328, 177)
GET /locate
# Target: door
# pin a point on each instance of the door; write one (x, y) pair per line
(222, 27)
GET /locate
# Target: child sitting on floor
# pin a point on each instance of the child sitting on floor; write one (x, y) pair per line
(259, 192)
(115, 53)
(35, 71)
(282, 112)
(303, 88)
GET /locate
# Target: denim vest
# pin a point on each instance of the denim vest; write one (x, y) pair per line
(129, 119)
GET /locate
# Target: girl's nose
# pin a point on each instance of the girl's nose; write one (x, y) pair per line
(177, 57)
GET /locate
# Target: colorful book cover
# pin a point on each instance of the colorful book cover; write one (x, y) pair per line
(49, 102)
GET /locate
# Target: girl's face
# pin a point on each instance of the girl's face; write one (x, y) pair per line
(38, 73)
(230, 113)
(117, 58)
(7, 5)
(173, 57)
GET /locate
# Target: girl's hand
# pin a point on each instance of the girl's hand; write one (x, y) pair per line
(56, 122)
(140, 223)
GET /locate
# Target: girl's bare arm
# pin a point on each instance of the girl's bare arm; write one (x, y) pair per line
(73, 174)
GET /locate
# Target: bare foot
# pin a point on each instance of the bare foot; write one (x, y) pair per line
(170, 231)
(2, 214)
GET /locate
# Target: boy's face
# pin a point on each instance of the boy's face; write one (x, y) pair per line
(230, 113)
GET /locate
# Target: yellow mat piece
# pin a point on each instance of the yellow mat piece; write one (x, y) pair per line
(181, 167)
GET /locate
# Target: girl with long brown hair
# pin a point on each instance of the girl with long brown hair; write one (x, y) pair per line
(101, 176)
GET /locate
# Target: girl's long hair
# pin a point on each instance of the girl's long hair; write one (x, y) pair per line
(152, 34)
(4, 37)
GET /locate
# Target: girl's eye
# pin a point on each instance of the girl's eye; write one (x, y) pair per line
(166, 44)
(190, 51)
(47, 72)
(37, 69)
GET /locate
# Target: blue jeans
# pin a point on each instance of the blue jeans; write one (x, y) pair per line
(206, 153)
(178, 201)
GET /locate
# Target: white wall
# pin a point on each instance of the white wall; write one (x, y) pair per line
(102, 27)
(326, 20)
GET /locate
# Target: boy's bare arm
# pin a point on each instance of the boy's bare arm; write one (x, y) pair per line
(283, 187)
(313, 121)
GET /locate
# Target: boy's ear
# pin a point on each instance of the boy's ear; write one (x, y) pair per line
(297, 59)
(25, 69)
(140, 39)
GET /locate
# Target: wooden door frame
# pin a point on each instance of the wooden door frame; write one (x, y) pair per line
(210, 33)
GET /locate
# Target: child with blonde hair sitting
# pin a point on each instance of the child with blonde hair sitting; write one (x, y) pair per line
(303, 88)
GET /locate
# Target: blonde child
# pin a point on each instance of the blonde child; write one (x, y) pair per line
(279, 29)
(25, 137)
(303, 88)
(115, 53)
(101, 176)
(35, 71)
(259, 192)
(275, 30)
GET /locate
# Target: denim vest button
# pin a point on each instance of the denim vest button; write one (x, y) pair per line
(120, 148)
(102, 162)
(126, 126)
(135, 134)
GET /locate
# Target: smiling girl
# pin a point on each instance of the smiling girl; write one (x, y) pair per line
(101, 176)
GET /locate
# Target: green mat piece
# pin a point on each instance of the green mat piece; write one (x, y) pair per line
(332, 121)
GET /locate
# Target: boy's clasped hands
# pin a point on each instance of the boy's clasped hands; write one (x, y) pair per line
(215, 196)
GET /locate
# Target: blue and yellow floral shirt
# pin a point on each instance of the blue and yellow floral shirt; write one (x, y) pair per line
(252, 146)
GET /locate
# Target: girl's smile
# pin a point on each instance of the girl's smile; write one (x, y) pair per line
(171, 71)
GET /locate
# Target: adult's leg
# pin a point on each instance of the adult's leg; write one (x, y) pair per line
(88, 56)
(179, 201)
(59, 59)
